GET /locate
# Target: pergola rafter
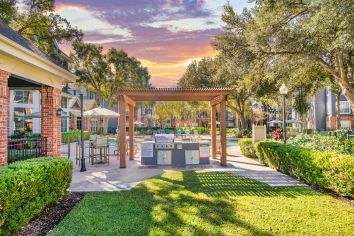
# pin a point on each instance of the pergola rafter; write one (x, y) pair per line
(129, 96)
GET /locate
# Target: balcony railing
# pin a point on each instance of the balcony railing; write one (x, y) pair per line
(26, 148)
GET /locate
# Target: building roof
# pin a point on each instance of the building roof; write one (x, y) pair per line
(65, 92)
(9, 33)
(72, 101)
(89, 104)
(173, 94)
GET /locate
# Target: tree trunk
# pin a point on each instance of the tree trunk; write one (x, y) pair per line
(338, 126)
(242, 120)
(344, 78)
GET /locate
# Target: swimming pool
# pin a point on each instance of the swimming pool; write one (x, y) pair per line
(229, 142)
(232, 142)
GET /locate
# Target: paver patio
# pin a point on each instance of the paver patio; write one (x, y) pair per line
(112, 178)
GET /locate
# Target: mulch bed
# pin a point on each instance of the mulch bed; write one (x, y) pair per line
(333, 194)
(51, 216)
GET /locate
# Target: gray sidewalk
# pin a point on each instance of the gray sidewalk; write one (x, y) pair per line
(111, 178)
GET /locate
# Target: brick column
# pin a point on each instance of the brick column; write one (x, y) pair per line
(73, 122)
(87, 124)
(4, 115)
(50, 122)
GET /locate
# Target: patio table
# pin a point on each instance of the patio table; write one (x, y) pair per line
(103, 148)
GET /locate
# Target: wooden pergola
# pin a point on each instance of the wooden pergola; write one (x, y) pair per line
(129, 96)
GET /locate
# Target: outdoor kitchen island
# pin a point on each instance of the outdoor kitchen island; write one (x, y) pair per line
(165, 150)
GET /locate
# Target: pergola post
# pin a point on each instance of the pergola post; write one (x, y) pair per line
(122, 132)
(213, 130)
(131, 132)
(223, 154)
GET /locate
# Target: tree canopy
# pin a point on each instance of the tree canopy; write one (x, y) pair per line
(317, 32)
(102, 73)
(306, 44)
(36, 20)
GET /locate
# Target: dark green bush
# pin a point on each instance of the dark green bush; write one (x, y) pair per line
(247, 148)
(74, 136)
(329, 170)
(28, 187)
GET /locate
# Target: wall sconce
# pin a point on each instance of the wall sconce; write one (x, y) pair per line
(59, 112)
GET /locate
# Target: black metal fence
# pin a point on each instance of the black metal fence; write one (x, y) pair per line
(26, 148)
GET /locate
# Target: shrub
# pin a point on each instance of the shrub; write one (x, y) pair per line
(28, 187)
(319, 142)
(201, 130)
(329, 170)
(74, 136)
(247, 148)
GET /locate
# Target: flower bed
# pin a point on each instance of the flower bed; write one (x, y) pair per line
(28, 187)
(329, 170)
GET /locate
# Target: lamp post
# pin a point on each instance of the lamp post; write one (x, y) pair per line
(284, 91)
(81, 92)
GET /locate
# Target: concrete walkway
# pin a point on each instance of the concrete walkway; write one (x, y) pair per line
(105, 177)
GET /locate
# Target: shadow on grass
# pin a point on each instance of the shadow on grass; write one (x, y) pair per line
(176, 203)
(223, 184)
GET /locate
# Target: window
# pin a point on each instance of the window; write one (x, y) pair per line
(21, 122)
(23, 96)
(346, 124)
(78, 122)
(64, 124)
(344, 107)
(328, 102)
(94, 125)
(64, 102)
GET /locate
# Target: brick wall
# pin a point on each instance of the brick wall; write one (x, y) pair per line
(4, 115)
(51, 123)
(87, 124)
(333, 121)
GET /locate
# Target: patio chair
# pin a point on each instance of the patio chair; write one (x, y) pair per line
(103, 146)
(78, 153)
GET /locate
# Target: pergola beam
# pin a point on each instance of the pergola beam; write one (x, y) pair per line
(131, 132)
(213, 131)
(122, 132)
(130, 96)
(223, 154)
(129, 101)
(217, 100)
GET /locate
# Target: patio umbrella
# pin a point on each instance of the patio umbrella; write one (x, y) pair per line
(101, 113)
(137, 123)
(275, 122)
(292, 121)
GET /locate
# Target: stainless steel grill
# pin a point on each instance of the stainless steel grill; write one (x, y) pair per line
(164, 141)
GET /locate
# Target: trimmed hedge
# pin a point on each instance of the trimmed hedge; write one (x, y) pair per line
(28, 187)
(329, 170)
(74, 136)
(247, 147)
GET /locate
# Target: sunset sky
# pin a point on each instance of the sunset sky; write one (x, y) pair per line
(165, 35)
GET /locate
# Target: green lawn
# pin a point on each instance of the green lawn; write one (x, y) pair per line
(208, 203)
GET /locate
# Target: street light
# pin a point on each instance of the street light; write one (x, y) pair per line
(284, 91)
(81, 92)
